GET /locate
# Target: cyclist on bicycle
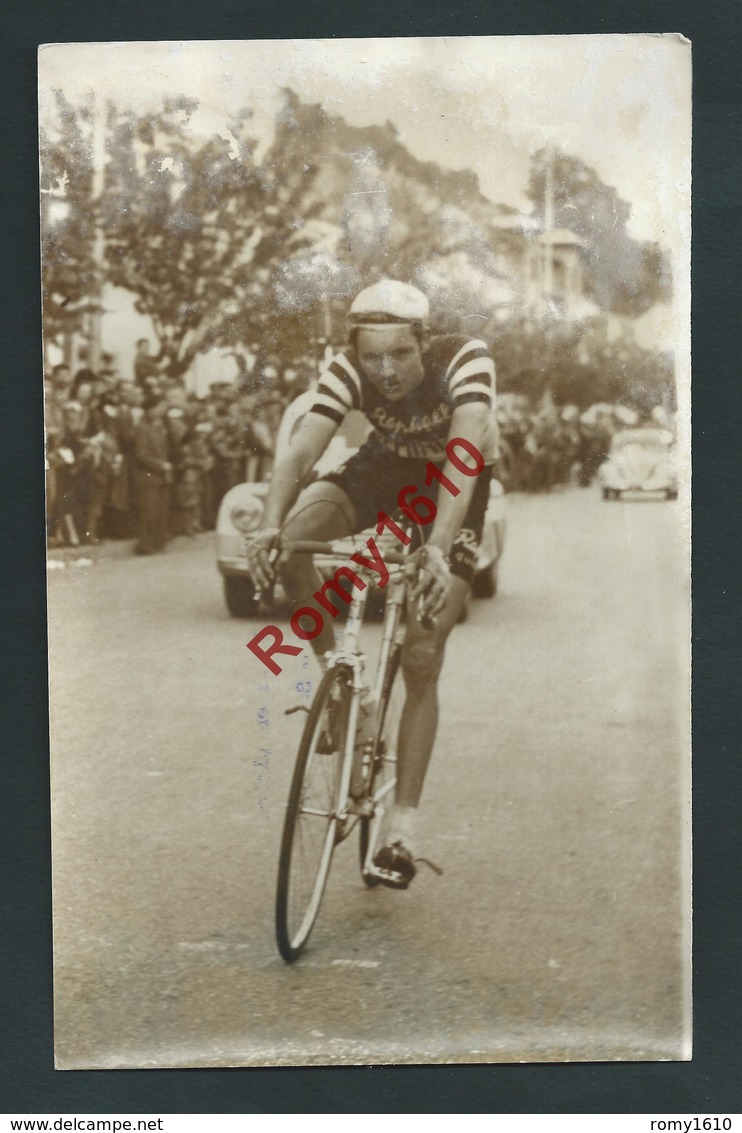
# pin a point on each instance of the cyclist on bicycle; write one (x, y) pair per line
(418, 392)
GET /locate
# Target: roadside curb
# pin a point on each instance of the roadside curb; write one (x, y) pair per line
(87, 555)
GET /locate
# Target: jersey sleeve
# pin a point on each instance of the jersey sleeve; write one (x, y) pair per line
(471, 375)
(338, 391)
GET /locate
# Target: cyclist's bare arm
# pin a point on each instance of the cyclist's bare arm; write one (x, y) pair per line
(311, 437)
(469, 421)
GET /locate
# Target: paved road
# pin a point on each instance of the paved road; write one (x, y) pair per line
(555, 802)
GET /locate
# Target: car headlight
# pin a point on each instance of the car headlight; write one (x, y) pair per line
(246, 516)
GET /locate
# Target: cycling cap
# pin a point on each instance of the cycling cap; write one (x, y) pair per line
(388, 302)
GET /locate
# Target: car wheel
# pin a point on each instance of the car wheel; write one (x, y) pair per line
(607, 493)
(484, 584)
(671, 493)
(239, 594)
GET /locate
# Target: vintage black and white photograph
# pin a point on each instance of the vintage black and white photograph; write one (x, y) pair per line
(367, 403)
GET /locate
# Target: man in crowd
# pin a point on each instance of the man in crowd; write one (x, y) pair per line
(153, 474)
(145, 364)
(69, 461)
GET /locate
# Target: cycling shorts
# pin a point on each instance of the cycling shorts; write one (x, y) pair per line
(372, 479)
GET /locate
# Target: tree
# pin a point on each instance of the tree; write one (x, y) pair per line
(383, 213)
(579, 363)
(196, 230)
(624, 275)
(68, 283)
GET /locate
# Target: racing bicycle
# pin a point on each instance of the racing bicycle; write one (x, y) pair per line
(337, 785)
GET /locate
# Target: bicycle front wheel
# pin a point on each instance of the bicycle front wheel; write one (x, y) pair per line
(310, 827)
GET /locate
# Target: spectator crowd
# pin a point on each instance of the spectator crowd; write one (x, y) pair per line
(144, 458)
(550, 446)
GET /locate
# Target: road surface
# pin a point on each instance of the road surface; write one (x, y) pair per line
(557, 804)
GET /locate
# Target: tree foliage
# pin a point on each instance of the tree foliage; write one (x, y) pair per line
(386, 214)
(67, 221)
(580, 363)
(195, 230)
(221, 247)
(626, 276)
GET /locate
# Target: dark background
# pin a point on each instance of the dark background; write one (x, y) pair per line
(711, 1082)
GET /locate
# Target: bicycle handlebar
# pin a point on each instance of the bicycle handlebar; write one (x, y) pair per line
(315, 547)
(331, 550)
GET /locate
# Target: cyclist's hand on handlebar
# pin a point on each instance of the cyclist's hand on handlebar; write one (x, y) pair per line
(261, 555)
(430, 575)
(285, 551)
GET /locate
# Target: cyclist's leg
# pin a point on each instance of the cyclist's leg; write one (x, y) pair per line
(422, 660)
(341, 503)
(323, 512)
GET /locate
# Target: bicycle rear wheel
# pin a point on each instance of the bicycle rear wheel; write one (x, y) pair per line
(384, 764)
(310, 827)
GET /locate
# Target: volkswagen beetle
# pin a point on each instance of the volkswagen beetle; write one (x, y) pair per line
(640, 461)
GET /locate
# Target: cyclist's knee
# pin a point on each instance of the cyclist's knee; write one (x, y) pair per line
(422, 660)
(297, 574)
(323, 511)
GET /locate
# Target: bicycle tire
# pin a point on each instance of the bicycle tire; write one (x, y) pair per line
(309, 833)
(383, 767)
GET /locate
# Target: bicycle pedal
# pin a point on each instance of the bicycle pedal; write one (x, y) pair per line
(386, 877)
(296, 708)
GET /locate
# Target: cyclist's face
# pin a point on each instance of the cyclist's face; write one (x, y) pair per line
(391, 360)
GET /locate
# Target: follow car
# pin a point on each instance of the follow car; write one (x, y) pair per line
(640, 461)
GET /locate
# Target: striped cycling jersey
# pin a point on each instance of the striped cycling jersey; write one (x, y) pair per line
(457, 370)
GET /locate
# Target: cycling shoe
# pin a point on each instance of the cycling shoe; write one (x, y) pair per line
(395, 865)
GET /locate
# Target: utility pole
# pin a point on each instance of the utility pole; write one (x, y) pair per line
(548, 223)
(547, 400)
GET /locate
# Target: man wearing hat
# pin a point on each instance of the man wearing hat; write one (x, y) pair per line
(417, 392)
(153, 474)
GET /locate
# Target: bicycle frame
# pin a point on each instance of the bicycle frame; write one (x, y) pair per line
(349, 655)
